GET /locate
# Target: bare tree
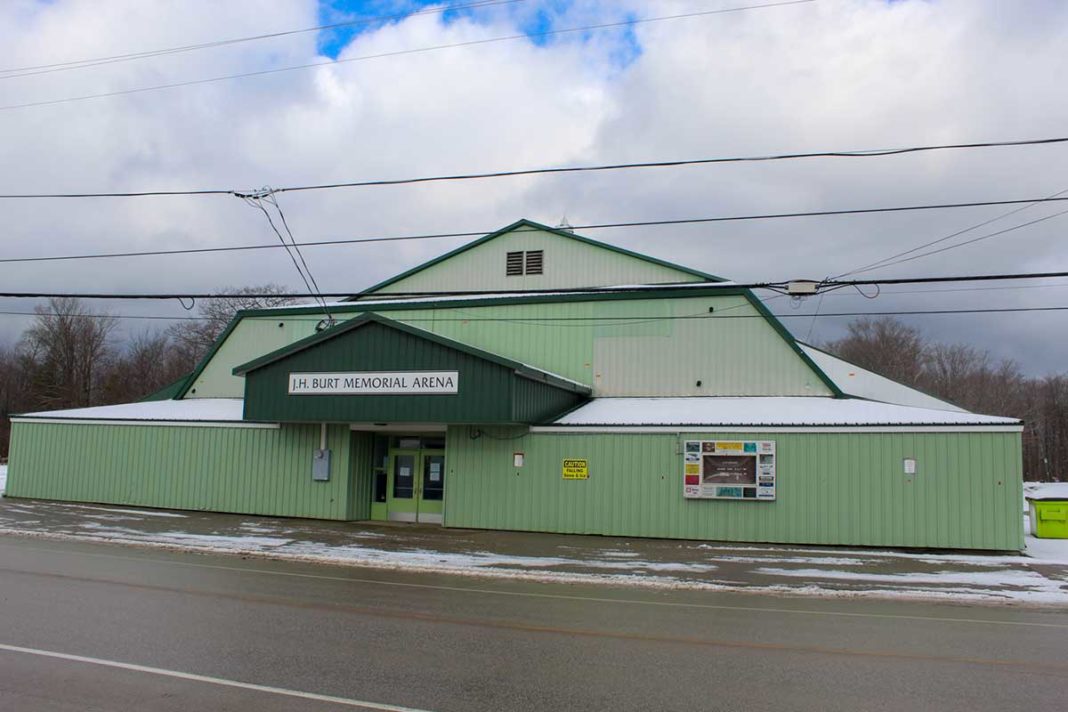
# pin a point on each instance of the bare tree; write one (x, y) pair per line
(192, 339)
(887, 346)
(64, 353)
(146, 364)
(968, 377)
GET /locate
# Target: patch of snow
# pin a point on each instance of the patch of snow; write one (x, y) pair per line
(860, 382)
(511, 568)
(384, 300)
(213, 410)
(889, 554)
(141, 512)
(1017, 583)
(1054, 551)
(826, 561)
(3, 479)
(255, 529)
(1046, 490)
(771, 411)
(178, 537)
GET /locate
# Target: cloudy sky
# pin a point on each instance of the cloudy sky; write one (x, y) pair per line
(823, 75)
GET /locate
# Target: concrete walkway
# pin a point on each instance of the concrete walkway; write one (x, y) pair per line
(654, 563)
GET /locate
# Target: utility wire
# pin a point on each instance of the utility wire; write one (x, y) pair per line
(481, 233)
(698, 288)
(966, 242)
(637, 318)
(862, 153)
(886, 262)
(397, 53)
(34, 70)
(257, 200)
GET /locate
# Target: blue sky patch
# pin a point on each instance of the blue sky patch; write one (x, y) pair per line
(535, 18)
(370, 15)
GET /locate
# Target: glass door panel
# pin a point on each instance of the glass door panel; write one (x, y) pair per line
(403, 486)
(432, 489)
(433, 477)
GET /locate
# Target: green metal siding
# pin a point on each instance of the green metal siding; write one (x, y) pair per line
(569, 262)
(360, 466)
(484, 387)
(634, 352)
(534, 402)
(832, 488)
(246, 340)
(243, 470)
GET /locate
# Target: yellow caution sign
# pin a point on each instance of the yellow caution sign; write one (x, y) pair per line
(576, 469)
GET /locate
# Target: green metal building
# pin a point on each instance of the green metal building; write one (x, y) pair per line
(676, 406)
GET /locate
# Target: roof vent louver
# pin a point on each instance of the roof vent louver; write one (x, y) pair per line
(534, 261)
(514, 264)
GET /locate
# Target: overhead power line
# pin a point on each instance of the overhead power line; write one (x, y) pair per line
(616, 319)
(481, 233)
(34, 70)
(861, 153)
(698, 287)
(397, 53)
(897, 257)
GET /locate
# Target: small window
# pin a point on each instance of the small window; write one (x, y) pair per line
(514, 264)
(534, 261)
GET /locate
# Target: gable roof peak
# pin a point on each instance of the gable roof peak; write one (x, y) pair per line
(525, 224)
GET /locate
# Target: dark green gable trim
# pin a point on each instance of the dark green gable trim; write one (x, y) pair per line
(491, 389)
(219, 341)
(169, 391)
(789, 339)
(524, 223)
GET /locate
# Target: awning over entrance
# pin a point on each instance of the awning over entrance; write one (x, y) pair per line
(373, 369)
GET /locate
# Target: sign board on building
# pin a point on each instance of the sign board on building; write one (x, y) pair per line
(358, 383)
(729, 469)
(575, 469)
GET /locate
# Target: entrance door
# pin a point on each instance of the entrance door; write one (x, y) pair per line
(416, 489)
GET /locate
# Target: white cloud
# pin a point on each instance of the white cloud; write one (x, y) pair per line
(833, 74)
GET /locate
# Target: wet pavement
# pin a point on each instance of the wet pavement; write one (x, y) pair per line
(656, 563)
(96, 626)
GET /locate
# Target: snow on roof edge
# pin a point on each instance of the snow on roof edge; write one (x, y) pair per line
(369, 299)
(765, 411)
(198, 410)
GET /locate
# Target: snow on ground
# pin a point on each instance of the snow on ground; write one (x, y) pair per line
(804, 570)
(3, 479)
(1032, 585)
(1046, 550)
(136, 512)
(1046, 490)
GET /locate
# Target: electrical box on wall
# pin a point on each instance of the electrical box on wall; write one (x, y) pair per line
(321, 465)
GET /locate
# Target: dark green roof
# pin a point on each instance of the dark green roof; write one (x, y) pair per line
(371, 318)
(536, 226)
(168, 392)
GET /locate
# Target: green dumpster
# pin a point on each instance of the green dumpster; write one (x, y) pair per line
(1049, 518)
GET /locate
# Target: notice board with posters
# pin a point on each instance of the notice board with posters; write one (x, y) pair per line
(729, 469)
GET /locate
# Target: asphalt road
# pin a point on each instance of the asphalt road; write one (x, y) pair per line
(99, 627)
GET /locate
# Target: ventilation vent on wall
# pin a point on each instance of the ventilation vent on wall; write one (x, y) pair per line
(534, 261)
(514, 264)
